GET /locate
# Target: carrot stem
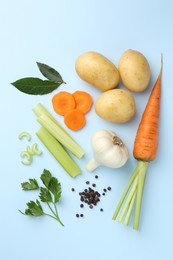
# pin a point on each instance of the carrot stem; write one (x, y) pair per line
(140, 188)
(129, 212)
(135, 188)
(126, 190)
(129, 198)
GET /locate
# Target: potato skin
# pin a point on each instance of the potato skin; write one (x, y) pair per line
(97, 70)
(134, 70)
(116, 105)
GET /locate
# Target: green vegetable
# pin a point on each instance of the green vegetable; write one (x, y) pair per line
(37, 86)
(50, 73)
(57, 131)
(39, 110)
(35, 150)
(57, 150)
(28, 156)
(29, 152)
(24, 134)
(50, 194)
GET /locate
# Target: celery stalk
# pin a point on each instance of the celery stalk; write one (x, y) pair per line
(39, 110)
(57, 150)
(55, 129)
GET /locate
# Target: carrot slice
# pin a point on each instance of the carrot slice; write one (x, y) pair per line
(83, 100)
(63, 102)
(74, 119)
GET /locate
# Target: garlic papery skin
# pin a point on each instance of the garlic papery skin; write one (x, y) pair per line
(108, 150)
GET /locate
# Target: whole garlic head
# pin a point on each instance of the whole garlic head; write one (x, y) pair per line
(109, 150)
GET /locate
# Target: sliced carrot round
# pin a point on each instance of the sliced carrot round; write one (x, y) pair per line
(63, 102)
(83, 100)
(74, 119)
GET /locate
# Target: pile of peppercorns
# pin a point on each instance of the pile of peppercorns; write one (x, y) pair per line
(90, 196)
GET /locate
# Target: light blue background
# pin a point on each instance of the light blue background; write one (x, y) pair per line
(56, 33)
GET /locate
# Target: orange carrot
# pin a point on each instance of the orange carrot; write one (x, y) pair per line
(146, 141)
(145, 150)
(74, 119)
(63, 102)
(83, 101)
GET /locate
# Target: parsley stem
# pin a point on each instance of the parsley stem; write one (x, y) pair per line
(55, 214)
(56, 218)
(51, 209)
(55, 208)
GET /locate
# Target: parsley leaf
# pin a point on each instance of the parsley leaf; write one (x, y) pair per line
(52, 188)
(34, 208)
(46, 177)
(31, 185)
(55, 188)
(45, 195)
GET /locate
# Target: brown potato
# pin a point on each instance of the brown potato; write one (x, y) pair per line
(116, 105)
(97, 70)
(134, 70)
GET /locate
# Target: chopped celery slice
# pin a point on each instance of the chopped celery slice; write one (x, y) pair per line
(28, 161)
(24, 134)
(55, 129)
(57, 150)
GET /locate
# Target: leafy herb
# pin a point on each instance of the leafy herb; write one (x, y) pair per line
(37, 86)
(50, 73)
(45, 195)
(46, 177)
(51, 190)
(55, 188)
(32, 184)
(34, 209)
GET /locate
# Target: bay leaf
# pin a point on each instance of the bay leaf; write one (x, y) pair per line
(50, 73)
(35, 86)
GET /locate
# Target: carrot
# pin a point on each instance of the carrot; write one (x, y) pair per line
(63, 102)
(74, 119)
(146, 141)
(145, 150)
(83, 101)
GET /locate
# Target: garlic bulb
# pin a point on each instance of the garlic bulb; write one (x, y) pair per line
(109, 150)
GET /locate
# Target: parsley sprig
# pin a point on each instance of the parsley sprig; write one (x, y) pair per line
(50, 194)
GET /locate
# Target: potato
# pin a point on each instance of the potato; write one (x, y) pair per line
(116, 105)
(134, 70)
(97, 70)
